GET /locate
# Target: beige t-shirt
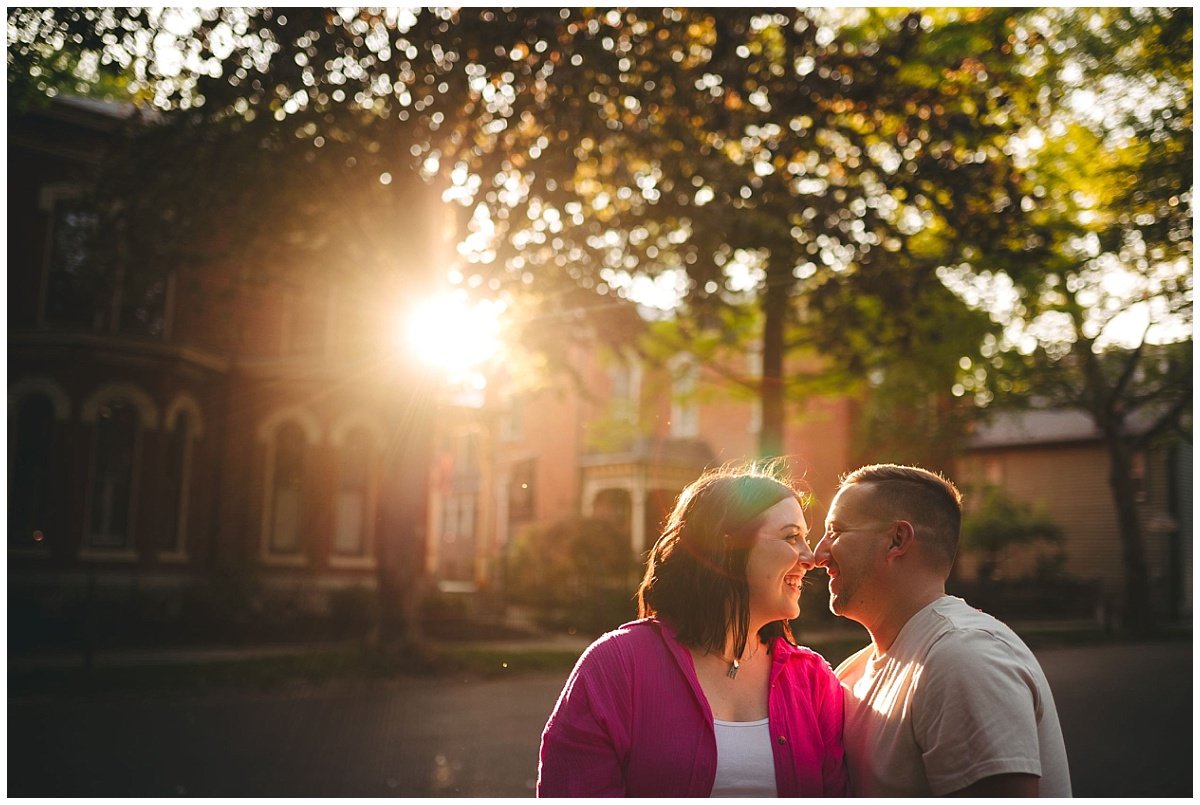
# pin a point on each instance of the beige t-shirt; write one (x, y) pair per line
(958, 697)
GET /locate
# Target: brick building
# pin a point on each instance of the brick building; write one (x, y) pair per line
(228, 422)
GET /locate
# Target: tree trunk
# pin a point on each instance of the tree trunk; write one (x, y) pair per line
(1138, 615)
(403, 582)
(774, 305)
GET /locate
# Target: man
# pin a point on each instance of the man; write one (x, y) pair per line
(946, 699)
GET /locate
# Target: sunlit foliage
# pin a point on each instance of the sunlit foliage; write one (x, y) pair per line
(951, 207)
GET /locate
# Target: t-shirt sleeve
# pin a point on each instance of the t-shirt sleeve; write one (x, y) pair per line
(586, 737)
(975, 711)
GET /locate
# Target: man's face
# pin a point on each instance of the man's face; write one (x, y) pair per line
(852, 550)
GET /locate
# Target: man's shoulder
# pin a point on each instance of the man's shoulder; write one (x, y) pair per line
(958, 620)
(971, 641)
(852, 667)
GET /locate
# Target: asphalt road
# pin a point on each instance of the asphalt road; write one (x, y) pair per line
(1126, 711)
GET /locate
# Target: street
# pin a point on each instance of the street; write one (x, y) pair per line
(1126, 712)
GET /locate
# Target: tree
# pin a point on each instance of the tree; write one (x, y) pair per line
(821, 179)
(815, 166)
(835, 162)
(1104, 321)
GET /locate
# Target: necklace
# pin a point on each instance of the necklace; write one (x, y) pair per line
(736, 664)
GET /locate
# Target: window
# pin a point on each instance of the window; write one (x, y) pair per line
(29, 482)
(85, 292)
(143, 306)
(353, 497)
(288, 454)
(521, 492)
(511, 419)
(685, 414)
(178, 469)
(625, 379)
(457, 550)
(113, 462)
(74, 286)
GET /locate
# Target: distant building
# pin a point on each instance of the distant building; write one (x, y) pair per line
(167, 429)
(618, 442)
(623, 442)
(1055, 458)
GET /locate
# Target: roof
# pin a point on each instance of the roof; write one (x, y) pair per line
(1012, 428)
(99, 113)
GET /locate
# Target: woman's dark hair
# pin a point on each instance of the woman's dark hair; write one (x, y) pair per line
(696, 572)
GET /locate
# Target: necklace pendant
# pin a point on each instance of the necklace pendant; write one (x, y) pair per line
(733, 669)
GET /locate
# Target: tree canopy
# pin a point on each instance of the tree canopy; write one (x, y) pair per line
(950, 208)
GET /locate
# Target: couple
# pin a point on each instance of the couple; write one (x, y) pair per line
(708, 694)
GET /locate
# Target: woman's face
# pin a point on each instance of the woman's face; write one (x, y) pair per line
(778, 559)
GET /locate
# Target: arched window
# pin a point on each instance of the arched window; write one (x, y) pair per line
(29, 472)
(353, 515)
(178, 482)
(288, 458)
(113, 462)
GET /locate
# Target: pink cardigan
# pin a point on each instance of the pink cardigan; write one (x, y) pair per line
(633, 721)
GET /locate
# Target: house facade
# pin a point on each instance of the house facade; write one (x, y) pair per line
(163, 431)
(1056, 460)
(618, 441)
(624, 442)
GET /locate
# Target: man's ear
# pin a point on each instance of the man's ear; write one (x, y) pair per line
(901, 539)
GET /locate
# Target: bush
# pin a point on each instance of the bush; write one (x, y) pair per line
(575, 573)
(998, 524)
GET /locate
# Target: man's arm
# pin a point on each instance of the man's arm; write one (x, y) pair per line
(1001, 785)
(975, 718)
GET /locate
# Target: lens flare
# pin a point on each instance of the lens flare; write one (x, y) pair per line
(454, 334)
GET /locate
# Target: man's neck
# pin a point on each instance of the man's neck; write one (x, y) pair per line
(901, 609)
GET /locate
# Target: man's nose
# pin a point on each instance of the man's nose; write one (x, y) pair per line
(821, 552)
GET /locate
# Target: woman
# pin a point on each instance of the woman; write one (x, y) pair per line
(707, 693)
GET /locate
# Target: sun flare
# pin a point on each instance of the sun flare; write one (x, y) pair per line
(454, 334)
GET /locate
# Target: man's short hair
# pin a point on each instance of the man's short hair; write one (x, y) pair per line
(928, 500)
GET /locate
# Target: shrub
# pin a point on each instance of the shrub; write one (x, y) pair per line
(577, 572)
(999, 523)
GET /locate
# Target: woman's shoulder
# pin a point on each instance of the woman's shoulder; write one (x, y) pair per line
(630, 636)
(619, 647)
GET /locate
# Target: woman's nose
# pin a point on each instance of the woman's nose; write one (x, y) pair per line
(805, 556)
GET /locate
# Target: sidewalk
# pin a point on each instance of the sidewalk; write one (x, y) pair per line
(199, 655)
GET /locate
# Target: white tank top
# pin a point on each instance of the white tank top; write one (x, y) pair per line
(745, 760)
